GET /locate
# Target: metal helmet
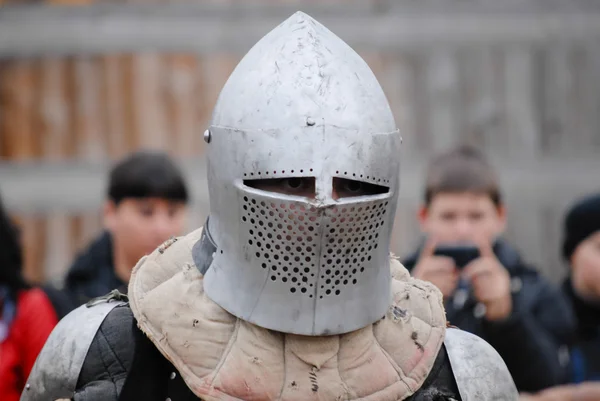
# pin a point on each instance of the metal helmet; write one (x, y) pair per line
(302, 103)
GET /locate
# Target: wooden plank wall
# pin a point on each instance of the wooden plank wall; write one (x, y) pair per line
(517, 102)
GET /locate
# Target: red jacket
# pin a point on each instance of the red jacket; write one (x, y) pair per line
(34, 320)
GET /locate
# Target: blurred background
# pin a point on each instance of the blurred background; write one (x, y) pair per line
(82, 84)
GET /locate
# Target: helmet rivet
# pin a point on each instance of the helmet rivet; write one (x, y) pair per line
(207, 136)
(310, 122)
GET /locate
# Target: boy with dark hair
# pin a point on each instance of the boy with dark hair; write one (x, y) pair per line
(487, 288)
(145, 206)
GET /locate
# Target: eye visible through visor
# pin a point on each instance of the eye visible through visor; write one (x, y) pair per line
(345, 188)
(305, 187)
(295, 186)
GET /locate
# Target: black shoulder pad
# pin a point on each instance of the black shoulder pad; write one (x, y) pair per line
(109, 358)
(440, 385)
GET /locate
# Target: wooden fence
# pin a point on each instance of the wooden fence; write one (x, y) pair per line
(82, 86)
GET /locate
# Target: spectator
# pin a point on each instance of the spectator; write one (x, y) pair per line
(26, 316)
(581, 249)
(589, 391)
(495, 296)
(145, 206)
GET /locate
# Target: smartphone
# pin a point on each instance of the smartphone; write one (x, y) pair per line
(461, 254)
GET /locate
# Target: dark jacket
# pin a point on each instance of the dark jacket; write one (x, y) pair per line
(123, 364)
(585, 351)
(531, 339)
(91, 275)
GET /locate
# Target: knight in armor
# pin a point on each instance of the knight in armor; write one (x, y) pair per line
(289, 291)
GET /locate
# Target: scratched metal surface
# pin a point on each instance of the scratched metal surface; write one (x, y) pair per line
(480, 372)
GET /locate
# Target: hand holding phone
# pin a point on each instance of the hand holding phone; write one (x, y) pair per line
(440, 270)
(462, 255)
(490, 282)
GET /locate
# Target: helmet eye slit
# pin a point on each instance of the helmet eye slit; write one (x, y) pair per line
(295, 186)
(346, 188)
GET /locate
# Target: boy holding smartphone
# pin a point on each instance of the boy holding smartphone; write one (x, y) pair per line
(494, 295)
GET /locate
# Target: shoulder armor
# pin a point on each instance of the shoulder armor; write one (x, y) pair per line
(479, 370)
(59, 363)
